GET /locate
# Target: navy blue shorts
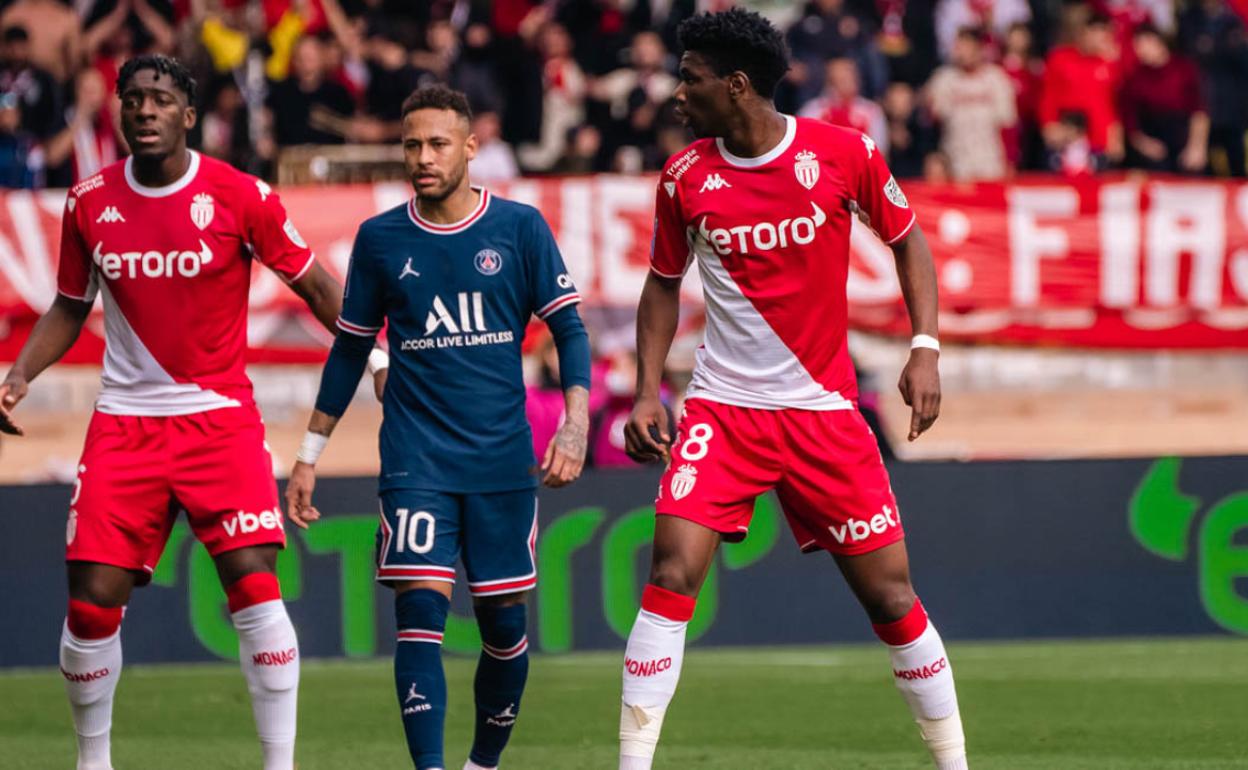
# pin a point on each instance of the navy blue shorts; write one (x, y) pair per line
(423, 533)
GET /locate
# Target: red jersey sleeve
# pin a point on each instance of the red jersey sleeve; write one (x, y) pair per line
(273, 237)
(877, 193)
(75, 276)
(669, 250)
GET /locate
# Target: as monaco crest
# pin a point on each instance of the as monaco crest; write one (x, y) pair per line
(682, 483)
(202, 210)
(806, 167)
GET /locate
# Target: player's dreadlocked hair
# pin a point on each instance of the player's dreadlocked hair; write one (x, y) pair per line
(738, 39)
(163, 65)
(437, 97)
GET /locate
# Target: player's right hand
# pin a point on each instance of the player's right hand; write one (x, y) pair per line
(12, 391)
(647, 435)
(299, 508)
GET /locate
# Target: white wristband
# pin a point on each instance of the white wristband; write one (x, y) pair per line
(925, 341)
(311, 448)
(378, 359)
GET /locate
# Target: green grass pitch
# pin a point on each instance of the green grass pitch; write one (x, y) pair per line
(1062, 705)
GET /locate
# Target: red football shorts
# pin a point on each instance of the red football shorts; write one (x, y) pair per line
(137, 472)
(825, 468)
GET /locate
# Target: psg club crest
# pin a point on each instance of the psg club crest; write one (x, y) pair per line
(488, 261)
(682, 483)
(806, 167)
(202, 210)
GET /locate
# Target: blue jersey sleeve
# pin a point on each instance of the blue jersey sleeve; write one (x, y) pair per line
(550, 286)
(363, 308)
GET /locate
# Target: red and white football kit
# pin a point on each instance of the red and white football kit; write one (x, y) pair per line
(773, 399)
(175, 424)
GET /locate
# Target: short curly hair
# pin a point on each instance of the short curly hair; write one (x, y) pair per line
(437, 97)
(738, 39)
(163, 65)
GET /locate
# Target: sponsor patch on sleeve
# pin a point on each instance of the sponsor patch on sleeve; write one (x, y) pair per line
(296, 238)
(893, 192)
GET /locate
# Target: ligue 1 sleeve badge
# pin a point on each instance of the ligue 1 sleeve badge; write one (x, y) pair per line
(202, 210)
(488, 261)
(806, 167)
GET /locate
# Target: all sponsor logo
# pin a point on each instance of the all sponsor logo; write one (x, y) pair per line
(152, 264)
(923, 672)
(245, 523)
(763, 236)
(714, 182)
(683, 480)
(462, 324)
(504, 718)
(110, 215)
(646, 668)
(86, 676)
(202, 210)
(275, 658)
(893, 192)
(856, 530)
(488, 262)
(806, 168)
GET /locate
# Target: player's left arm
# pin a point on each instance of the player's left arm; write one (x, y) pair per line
(279, 246)
(555, 299)
(565, 456)
(883, 206)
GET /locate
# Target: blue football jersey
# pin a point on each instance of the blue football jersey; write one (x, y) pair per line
(457, 299)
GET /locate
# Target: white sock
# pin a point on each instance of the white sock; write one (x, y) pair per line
(652, 662)
(470, 765)
(269, 654)
(91, 668)
(922, 673)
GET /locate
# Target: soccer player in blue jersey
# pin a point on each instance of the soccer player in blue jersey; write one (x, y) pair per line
(457, 273)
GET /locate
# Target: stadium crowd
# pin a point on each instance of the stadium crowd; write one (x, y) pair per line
(950, 89)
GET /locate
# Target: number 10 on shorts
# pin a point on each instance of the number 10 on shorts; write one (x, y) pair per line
(408, 537)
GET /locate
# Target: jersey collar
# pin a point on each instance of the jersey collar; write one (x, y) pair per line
(162, 192)
(413, 213)
(790, 131)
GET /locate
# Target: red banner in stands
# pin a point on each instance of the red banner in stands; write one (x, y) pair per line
(1124, 262)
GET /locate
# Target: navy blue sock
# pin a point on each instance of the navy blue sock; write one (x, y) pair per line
(501, 672)
(418, 676)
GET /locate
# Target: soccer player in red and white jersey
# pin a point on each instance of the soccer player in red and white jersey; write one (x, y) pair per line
(764, 202)
(168, 238)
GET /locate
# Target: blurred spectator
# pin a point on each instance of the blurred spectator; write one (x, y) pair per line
(974, 102)
(474, 72)
(16, 145)
(1084, 78)
(841, 104)
(1216, 36)
(55, 35)
(582, 152)
(910, 136)
(908, 39)
(36, 89)
(936, 168)
(495, 161)
(563, 101)
(91, 138)
(224, 125)
(995, 17)
(1072, 155)
(826, 30)
(391, 78)
(636, 94)
(1163, 114)
(1026, 73)
(307, 108)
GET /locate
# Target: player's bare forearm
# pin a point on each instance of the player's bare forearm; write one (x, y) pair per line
(322, 294)
(565, 457)
(920, 379)
(302, 481)
(52, 336)
(917, 274)
(658, 312)
(646, 435)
